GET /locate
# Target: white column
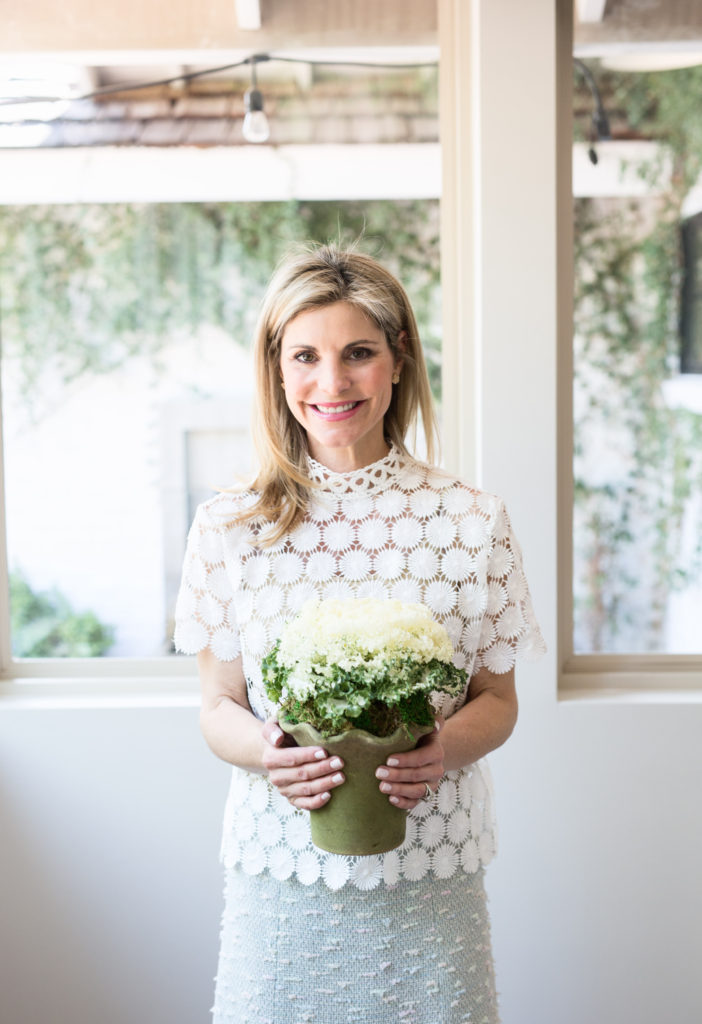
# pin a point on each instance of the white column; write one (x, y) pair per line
(458, 210)
(501, 275)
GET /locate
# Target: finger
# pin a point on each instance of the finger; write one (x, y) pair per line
(313, 793)
(411, 789)
(432, 753)
(291, 757)
(407, 796)
(272, 733)
(300, 776)
(406, 803)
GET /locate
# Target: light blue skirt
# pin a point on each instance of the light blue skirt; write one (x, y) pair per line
(418, 953)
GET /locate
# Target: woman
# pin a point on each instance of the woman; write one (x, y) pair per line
(341, 509)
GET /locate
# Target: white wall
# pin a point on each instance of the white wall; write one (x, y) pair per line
(595, 894)
(110, 886)
(109, 880)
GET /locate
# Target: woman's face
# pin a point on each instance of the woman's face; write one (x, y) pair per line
(337, 368)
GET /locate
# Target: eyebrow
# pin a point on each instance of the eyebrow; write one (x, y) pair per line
(350, 344)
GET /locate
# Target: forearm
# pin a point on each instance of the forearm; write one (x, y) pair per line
(234, 734)
(481, 725)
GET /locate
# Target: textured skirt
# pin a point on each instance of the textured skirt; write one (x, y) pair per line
(418, 953)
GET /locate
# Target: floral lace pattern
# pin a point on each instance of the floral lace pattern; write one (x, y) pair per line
(396, 528)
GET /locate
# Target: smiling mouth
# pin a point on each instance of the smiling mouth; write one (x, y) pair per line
(346, 407)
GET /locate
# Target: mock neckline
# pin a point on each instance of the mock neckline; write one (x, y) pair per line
(366, 480)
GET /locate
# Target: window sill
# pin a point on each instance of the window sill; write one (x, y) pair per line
(53, 685)
(631, 679)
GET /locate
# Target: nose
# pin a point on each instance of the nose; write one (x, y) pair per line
(333, 376)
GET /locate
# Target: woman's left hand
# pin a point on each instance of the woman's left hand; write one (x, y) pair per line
(405, 777)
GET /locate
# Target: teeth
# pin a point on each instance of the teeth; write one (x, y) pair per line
(336, 408)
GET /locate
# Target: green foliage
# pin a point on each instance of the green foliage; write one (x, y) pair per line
(628, 530)
(85, 288)
(363, 698)
(43, 625)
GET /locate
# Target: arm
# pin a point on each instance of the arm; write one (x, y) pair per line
(304, 775)
(481, 725)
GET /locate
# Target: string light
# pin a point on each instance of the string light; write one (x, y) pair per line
(600, 122)
(256, 127)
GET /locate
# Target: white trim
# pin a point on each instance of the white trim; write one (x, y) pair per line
(591, 11)
(173, 666)
(105, 174)
(5, 639)
(248, 15)
(618, 168)
(427, 53)
(643, 674)
(131, 691)
(603, 690)
(458, 211)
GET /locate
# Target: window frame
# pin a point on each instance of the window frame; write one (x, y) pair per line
(616, 677)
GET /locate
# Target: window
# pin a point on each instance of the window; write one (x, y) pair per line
(126, 394)
(637, 543)
(630, 581)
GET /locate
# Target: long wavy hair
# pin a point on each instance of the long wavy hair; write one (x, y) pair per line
(307, 279)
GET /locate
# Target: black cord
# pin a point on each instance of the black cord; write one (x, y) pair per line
(188, 76)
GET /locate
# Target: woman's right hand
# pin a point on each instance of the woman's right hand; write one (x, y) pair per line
(304, 775)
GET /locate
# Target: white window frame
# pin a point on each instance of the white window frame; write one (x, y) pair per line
(645, 677)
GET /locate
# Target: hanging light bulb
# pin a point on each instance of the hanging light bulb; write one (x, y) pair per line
(256, 127)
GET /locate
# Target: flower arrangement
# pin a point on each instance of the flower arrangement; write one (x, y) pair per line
(360, 664)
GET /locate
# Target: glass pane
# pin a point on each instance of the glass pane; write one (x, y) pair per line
(126, 392)
(638, 408)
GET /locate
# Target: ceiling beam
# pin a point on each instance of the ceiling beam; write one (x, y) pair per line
(180, 174)
(248, 15)
(590, 11)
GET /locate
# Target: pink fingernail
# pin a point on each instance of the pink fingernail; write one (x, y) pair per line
(325, 796)
(320, 754)
(276, 735)
(393, 762)
(336, 762)
(394, 800)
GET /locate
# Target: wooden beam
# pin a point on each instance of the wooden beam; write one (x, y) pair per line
(248, 15)
(591, 11)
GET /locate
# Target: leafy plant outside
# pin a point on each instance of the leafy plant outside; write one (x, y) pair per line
(44, 625)
(630, 554)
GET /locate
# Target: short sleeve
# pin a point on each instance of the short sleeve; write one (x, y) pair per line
(205, 616)
(510, 629)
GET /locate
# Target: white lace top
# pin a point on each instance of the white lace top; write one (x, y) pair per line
(396, 528)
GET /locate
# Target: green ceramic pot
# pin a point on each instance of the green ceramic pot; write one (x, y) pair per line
(358, 820)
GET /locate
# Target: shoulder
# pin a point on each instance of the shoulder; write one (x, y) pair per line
(457, 497)
(226, 513)
(229, 504)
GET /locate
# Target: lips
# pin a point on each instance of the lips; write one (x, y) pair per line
(331, 410)
(337, 410)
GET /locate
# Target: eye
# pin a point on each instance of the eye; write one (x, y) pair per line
(359, 353)
(306, 356)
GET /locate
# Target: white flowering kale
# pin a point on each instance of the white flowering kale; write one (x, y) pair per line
(361, 664)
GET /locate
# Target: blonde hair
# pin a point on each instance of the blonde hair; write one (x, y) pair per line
(308, 279)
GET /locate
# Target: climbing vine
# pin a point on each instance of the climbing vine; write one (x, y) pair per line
(84, 288)
(638, 457)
